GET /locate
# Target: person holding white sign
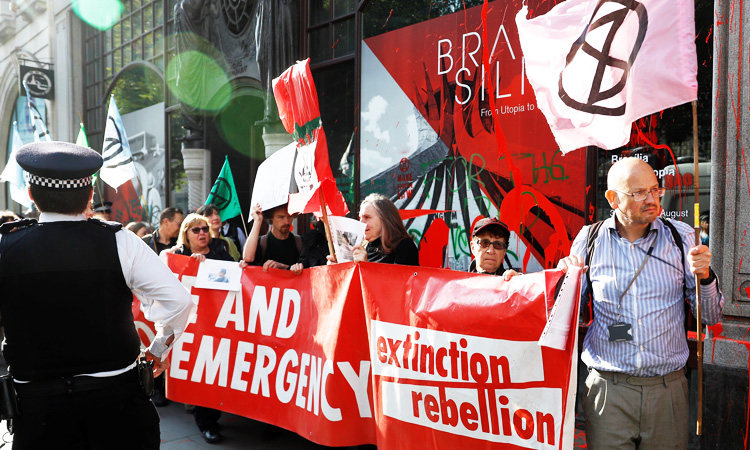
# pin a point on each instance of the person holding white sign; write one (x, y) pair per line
(280, 248)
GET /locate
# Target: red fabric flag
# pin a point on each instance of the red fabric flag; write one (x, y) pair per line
(297, 101)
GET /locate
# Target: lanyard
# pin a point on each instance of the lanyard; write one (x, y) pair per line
(637, 272)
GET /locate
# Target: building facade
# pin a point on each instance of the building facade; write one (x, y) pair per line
(408, 111)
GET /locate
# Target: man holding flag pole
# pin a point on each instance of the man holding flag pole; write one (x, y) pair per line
(596, 66)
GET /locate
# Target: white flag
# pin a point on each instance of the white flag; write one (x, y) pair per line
(118, 160)
(13, 173)
(41, 133)
(596, 66)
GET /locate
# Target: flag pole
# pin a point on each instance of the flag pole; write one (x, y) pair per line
(325, 223)
(696, 224)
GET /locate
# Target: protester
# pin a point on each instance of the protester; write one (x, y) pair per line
(636, 393)
(279, 248)
(139, 228)
(165, 236)
(68, 290)
(195, 241)
(387, 240)
(211, 212)
(232, 228)
(489, 242)
(704, 224)
(314, 249)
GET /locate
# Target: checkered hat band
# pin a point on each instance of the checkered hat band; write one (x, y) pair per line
(54, 183)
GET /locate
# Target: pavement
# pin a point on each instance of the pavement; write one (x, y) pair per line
(178, 432)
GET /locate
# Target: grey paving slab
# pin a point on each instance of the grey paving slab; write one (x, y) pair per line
(179, 432)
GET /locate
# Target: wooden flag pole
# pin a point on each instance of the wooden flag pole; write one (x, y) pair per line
(325, 223)
(696, 224)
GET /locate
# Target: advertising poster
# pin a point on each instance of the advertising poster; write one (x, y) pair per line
(444, 129)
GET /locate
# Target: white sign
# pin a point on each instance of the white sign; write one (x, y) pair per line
(346, 234)
(221, 275)
(273, 179)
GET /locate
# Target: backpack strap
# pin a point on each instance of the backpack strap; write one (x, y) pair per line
(588, 295)
(678, 241)
(690, 320)
(264, 244)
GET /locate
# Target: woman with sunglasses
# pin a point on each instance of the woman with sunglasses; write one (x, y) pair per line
(489, 242)
(195, 240)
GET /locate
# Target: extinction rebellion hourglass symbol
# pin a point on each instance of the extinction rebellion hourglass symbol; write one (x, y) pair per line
(616, 14)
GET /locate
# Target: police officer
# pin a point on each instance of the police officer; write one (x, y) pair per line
(68, 286)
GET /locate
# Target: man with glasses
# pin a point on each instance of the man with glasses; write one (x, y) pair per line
(165, 237)
(489, 242)
(636, 393)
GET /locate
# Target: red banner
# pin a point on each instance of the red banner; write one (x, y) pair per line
(342, 358)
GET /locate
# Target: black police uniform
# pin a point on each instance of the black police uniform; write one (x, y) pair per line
(66, 309)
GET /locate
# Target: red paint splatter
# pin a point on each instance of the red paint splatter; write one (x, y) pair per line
(710, 30)
(388, 18)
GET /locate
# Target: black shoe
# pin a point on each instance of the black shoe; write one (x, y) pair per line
(159, 399)
(212, 436)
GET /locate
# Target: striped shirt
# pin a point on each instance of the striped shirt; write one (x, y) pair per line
(653, 304)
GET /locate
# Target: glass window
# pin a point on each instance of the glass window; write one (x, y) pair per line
(148, 18)
(320, 11)
(137, 30)
(382, 16)
(320, 45)
(342, 7)
(335, 85)
(343, 38)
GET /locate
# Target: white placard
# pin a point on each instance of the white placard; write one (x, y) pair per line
(274, 177)
(346, 234)
(221, 275)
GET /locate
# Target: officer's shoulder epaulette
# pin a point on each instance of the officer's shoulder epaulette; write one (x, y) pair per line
(7, 227)
(114, 226)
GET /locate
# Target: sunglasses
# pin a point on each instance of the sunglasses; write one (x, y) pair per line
(199, 230)
(498, 245)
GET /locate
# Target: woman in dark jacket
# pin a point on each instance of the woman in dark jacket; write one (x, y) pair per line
(195, 241)
(387, 240)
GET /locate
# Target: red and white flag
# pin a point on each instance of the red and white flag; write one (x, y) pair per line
(598, 65)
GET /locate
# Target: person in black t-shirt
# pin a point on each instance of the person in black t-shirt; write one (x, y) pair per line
(280, 248)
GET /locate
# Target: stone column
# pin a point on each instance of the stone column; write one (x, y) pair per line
(275, 137)
(197, 163)
(725, 356)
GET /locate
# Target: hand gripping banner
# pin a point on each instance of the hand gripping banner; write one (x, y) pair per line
(384, 354)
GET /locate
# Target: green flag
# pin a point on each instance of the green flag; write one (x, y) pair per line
(224, 194)
(81, 139)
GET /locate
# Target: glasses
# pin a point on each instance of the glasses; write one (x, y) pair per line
(199, 230)
(497, 245)
(642, 195)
